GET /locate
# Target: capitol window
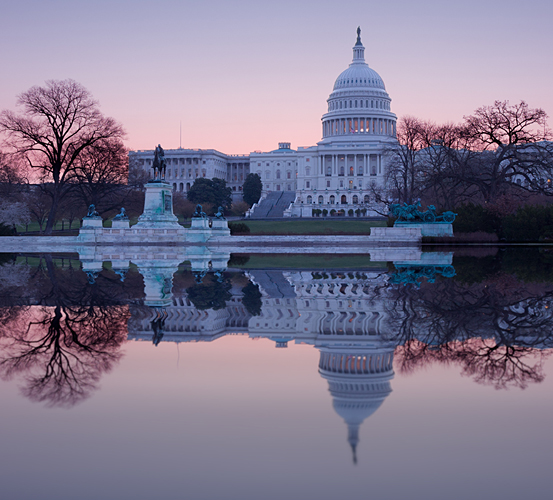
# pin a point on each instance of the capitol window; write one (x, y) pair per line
(309, 200)
(307, 184)
(288, 174)
(278, 174)
(267, 174)
(321, 200)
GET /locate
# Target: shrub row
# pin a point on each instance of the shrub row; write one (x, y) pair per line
(529, 223)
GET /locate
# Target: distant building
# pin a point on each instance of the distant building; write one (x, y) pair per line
(338, 173)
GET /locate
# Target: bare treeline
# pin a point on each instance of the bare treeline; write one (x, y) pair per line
(501, 150)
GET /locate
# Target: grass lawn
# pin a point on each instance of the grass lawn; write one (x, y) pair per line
(305, 261)
(294, 226)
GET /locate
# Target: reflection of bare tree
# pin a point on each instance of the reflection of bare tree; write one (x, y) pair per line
(64, 345)
(62, 352)
(499, 330)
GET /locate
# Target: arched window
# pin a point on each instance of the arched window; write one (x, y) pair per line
(355, 199)
(321, 200)
(332, 199)
(344, 200)
(309, 200)
(188, 186)
(181, 187)
(351, 170)
(367, 199)
(174, 187)
(278, 174)
(288, 174)
(267, 174)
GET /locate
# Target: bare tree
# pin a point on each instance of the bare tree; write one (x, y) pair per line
(101, 175)
(60, 122)
(516, 139)
(12, 175)
(405, 172)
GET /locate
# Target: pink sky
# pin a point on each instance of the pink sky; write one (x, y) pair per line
(244, 75)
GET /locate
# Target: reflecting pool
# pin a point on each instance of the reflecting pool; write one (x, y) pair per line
(271, 377)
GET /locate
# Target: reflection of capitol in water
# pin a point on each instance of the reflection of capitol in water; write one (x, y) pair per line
(340, 313)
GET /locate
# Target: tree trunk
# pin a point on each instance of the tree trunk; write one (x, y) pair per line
(52, 215)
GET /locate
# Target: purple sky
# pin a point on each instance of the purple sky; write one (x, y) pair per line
(244, 75)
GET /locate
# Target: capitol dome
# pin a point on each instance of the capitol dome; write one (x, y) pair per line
(359, 75)
(359, 107)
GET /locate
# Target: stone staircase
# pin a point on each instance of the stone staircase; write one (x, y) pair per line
(282, 204)
(274, 204)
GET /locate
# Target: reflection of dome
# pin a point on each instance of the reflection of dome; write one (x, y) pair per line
(359, 382)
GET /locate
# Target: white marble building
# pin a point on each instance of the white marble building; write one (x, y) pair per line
(336, 174)
(186, 165)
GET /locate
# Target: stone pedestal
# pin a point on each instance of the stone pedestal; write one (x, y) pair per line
(92, 222)
(219, 227)
(158, 208)
(120, 224)
(91, 229)
(430, 228)
(199, 231)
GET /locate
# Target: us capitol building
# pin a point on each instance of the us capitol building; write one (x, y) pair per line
(337, 173)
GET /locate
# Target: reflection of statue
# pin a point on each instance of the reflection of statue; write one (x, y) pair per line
(160, 164)
(122, 215)
(92, 212)
(157, 325)
(91, 276)
(198, 213)
(220, 214)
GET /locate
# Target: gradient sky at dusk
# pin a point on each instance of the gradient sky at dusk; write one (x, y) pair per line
(243, 75)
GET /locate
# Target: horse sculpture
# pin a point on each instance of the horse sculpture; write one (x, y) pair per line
(412, 213)
(160, 164)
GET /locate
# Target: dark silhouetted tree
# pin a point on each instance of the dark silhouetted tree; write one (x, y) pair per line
(59, 124)
(251, 191)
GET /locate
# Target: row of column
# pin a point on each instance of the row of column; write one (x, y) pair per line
(347, 363)
(343, 126)
(322, 168)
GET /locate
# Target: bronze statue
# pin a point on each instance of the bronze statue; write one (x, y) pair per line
(199, 213)
(160, 164)
(92, 212)
(220, 214)
(122, 215)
